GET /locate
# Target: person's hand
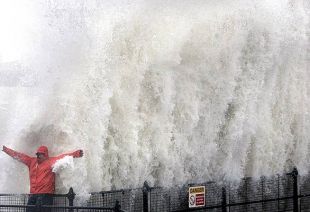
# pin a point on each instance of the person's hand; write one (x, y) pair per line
(81, 153)
(78, 153)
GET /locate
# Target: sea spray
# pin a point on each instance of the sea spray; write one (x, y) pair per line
(163, 91)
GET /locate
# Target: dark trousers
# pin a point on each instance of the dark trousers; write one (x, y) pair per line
(39, 199)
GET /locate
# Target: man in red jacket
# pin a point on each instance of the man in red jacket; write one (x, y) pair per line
(42, 179)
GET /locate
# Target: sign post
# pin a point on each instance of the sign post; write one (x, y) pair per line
(196, 196)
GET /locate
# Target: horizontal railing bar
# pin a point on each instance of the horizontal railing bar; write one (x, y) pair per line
(56, 207)
(259, 201)
(235, 204)
(21, 195)
(17, 206)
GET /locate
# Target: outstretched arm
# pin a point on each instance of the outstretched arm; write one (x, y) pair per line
(17, 155)
(76, 154)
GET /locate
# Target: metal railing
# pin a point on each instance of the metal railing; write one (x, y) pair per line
(62, 203)
(289, 192)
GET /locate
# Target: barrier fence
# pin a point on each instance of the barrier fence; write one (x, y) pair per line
(289, 192)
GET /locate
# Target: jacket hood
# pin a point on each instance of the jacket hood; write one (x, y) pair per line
(43, 150)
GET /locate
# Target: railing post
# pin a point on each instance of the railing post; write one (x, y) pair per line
(102, 194)
(145, 190)
(71, 196)
(224, 201)
(263, 189)
(117, 207)
(38, 206)
(295, 190)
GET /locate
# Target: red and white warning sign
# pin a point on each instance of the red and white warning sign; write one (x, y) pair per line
(196, 196)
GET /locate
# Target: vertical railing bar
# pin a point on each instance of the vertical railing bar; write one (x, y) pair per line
(295, 190)
(262, 181)
(229, 197)
(146, 203)
(224, 201)
(246, 192)
(278, 192)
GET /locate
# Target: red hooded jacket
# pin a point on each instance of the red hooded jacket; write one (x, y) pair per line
(42, 179)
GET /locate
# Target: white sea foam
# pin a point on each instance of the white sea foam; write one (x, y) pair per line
(63, 163)
(163, 91)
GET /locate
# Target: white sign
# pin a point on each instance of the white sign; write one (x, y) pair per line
(196, 196)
